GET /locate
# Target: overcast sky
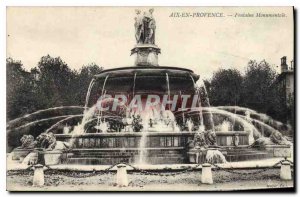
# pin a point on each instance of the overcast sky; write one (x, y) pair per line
(82, 35)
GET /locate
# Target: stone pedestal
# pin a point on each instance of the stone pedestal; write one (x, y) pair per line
(146, 55)
(38, 177)
(122, 179)
(285, 171)
(206, 176)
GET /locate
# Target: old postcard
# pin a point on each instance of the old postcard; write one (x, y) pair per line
(150, 98)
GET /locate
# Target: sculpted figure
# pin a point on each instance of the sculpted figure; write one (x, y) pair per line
(210, 138)
(151, 26)
(139, 27)
(145, 27)
(136, 123)
(27, 142)
(277, 138)
(198, 148)
(46, 141)
(198, 142)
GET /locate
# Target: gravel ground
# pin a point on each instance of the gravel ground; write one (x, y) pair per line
(188, 181)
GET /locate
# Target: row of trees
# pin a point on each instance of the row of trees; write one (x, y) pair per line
(255, 89)
(52, 83)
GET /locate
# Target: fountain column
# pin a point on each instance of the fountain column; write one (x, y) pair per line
(146, 54)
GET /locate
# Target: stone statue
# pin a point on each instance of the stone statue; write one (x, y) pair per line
(139, 27)
(46, 141)
(198, 142)
(210, 138)
(151, 26)
(136, 123)
(276, 138)
(197, 148)
(27, 142)
(145, 27)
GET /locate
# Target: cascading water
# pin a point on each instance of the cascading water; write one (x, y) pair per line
(199, 103)
(265, 128)
(14, 122)
(215, 156)
(168, 87)
(189, 125)
(102, 92)
(208, 103)
(248, 127)
(79, 129)
(133, 89)
(88, 93)
(42, 120)
(143, 148)
(256, 115)
(88, 113)
(61, 121)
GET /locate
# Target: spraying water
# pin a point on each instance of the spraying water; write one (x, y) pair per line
(41, 111)
(89, 93)
(264, 126)
(143, 151)
(39, 121)
(249, 112)
(215, 156)
(168, 87)
(208, 102)
(61, 121)
(133, 89)
(103, 90)
(250, 128)
(199, 101)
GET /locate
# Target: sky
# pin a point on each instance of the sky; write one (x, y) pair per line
(105, 36)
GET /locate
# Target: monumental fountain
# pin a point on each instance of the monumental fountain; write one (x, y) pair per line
(154, 114)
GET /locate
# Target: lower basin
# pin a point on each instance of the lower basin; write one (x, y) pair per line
(158, 147)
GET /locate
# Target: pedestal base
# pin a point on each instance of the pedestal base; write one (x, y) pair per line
(146, 55)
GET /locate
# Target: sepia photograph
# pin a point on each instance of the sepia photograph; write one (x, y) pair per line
(150, 98)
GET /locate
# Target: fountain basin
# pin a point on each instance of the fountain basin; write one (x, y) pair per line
(197, 156)
(144, 81)
(111, 148)
(228, 138)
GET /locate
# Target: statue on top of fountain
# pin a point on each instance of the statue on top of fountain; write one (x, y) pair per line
(145, 26)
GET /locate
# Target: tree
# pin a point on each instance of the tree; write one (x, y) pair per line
(54, 82)
(226, 87)
(257, 91)
(21, 92)
(83, 80)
